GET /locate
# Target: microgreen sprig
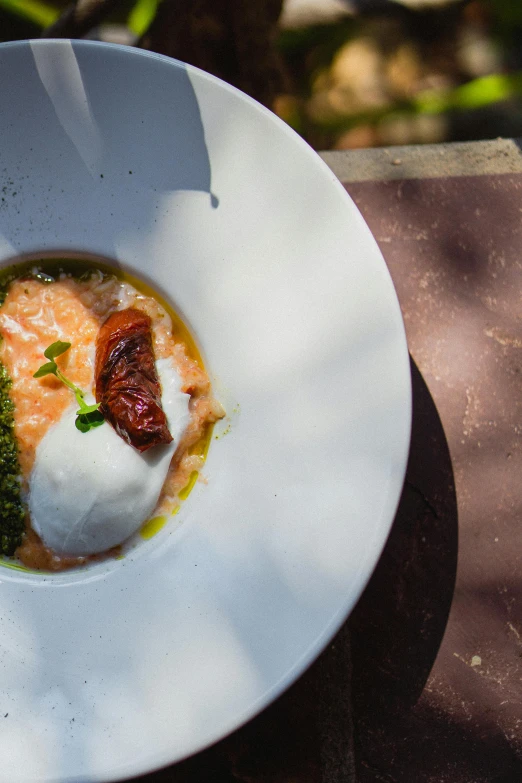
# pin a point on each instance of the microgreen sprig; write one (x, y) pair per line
(88, 416)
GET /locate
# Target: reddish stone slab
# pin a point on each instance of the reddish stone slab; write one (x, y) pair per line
(454, 250)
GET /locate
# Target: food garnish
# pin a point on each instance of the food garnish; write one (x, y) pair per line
(127, 384)
(12, 514)
(88, 416)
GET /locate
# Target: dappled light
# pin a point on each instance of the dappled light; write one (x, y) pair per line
(267, 259)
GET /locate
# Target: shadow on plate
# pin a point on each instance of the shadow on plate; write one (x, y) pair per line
(378, 663)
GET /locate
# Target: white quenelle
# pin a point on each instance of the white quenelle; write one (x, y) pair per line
(90, 491)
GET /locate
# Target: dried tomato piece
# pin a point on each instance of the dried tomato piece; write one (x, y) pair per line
(127, 384)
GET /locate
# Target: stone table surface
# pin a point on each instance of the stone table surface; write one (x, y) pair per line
(424, 681)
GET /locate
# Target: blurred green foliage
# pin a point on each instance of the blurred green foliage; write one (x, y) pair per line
(141, 15)
(28, 18)
(466, 59)
(475, 94)
(310, 55)
(34, 12)
(506, 16)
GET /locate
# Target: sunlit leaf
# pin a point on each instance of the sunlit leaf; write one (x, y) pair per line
(142, 15)
(42, 14)
(487, 90)
(484, 91)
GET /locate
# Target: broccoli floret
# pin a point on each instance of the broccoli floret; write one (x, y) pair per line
(12, 513)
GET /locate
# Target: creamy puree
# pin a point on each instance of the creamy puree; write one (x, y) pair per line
(36, 314)
(120, 486)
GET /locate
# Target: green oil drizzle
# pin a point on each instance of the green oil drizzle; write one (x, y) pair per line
(17, 567)
(153, 526)
(185, 492)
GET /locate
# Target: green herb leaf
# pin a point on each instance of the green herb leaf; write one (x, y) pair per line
(82, 425)
(84, 409)
(56, 349)
(88, 416)
(46, 369)
(87, 421)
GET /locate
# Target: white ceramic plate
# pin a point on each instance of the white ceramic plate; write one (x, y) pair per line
(134, 664)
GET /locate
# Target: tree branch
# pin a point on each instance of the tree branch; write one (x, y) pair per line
(230, 39)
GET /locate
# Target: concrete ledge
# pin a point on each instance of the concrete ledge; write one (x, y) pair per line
(501, 156)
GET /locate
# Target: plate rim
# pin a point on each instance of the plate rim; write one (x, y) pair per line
(329, 630)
